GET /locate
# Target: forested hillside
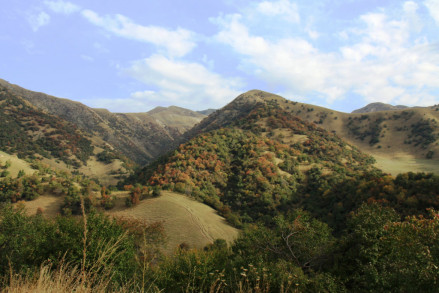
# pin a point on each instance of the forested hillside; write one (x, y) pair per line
(258, 165)
(400, 140)
(314, 214)
(139, 136)
(270, 161)
(29, 132)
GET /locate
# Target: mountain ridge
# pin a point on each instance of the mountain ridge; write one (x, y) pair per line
(377, 107)
(409, 136)
(140, 136)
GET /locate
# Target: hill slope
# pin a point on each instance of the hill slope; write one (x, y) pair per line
(376, 107)
(250, 165)
(408, 137)
(30, 133)
(184, 220)
(175, 117)
(139, 136)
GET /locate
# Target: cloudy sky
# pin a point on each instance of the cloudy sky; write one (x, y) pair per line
(134, 55)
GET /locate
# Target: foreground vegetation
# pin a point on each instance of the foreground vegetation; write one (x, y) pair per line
(376, 252)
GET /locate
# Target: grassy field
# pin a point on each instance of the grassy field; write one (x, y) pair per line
(51, 205)
(185, 220)
(94, 169)
(16, 164)
(402, 164)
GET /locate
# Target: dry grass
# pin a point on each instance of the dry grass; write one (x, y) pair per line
(94, 169)
(394, 156)
(63, 279)
(16, 164)
(51, 205)
(403, 164)
(184, 219)
(102, 171)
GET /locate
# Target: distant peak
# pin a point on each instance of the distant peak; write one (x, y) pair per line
(378, 106)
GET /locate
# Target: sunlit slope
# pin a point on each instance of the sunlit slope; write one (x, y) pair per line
(408, 137)
(184, 219)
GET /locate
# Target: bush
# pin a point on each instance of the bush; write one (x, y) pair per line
(27, 242)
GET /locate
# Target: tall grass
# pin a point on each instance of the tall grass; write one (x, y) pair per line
(63, 279)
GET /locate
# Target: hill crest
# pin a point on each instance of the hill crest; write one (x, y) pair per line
(409, 137)
(139, 136)
(378, 106)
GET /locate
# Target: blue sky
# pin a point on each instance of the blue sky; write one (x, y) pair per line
(134, 55)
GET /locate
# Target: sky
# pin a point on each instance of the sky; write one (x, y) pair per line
(134, 55)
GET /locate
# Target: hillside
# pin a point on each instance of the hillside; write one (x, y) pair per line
(139, 136)
(316, 216)
(207, 112)
(184, 220)
(376, 107)
(30, 133)
(407, 138)
(174, 117)
(257, 164)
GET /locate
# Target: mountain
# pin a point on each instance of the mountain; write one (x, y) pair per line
(31, 133)
(207, 112)
(253, 158)
(257, 158)
(139, 136)
(376, 107)
(400, 140)
(175, 117)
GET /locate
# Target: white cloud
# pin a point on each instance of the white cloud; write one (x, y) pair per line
(183, 83)
(284, 8)
(87, 58)
(38, 20)
(379, 60)
(62, 7)
(177, 42)
(433, 7)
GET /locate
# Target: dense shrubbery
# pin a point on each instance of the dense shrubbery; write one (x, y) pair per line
(376, 252)
(137, 193)
(373, 131)
(422, 132)
(27, 242)
(408, 193)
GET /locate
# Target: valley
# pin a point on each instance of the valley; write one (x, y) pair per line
(264, 193)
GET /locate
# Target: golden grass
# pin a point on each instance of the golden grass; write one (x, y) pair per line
(184, 219)
(63, 279)
(403, 164)
(94, 169)
(50, 204)
(394, 156)
(102, 171)
(16, 164)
